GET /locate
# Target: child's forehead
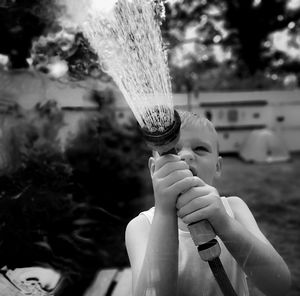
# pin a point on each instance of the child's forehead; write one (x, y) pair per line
(198, 134)
(196, 121)
(198, 131)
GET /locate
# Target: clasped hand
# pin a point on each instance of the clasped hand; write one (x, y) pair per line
(175, 188)
(202, 202)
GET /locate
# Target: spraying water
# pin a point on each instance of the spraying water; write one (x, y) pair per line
(131, 51)
(130, 48)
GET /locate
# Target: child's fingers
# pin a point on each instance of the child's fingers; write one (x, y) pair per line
(202, 214)
(162, 160)
(195, 204)
(201, 182)
(183, 184)
(192, 193)
(170, 167)
(176, 177)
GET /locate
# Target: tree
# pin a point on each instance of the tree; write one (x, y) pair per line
(32, 29)
(54, 205)
(241, 26)
(68, 46)
(20, 22)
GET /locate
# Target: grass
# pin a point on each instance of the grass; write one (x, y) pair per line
(271, 192)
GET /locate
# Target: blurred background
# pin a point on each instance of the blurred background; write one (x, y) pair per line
(73, 165)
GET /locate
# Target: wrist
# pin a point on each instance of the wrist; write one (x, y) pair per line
(166, 210)
(225, 228)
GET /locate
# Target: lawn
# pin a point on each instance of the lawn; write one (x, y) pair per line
(271, 192)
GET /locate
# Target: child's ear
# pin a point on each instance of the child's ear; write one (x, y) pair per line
(151, 165)
(219, 167)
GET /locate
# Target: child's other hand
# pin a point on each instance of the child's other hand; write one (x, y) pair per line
(202, 202)
(171, 177)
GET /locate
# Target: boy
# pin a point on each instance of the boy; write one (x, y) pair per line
(162, 255)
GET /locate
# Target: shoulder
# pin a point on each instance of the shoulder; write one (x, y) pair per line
(136, 237)
(239, 208)
(144, 219)
(241, 211)
(243, 215)
(237, 204)
(137, 229)
(140, 222)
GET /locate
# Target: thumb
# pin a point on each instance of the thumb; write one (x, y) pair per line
(198, 182)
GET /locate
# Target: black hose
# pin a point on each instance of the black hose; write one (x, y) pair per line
(221, 277)
(217, 268)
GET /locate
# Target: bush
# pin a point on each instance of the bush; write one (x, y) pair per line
(46, 221)
(55, 207)
(107, 160)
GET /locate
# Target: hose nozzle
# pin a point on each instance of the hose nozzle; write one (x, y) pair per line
(164, 142)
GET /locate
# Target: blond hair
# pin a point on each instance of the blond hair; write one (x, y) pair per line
(192, 119)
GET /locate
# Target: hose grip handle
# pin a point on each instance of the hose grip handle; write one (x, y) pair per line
(201, 232)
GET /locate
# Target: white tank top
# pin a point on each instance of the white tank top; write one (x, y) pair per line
(194, 275)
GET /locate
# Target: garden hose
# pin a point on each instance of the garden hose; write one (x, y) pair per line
(221, 277)
(210, 252)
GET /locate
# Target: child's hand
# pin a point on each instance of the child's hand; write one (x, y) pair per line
(202, 202)
(171, 178)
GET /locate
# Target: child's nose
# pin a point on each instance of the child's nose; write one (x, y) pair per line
(186, 155)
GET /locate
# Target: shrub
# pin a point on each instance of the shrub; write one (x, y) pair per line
(45, 219)
(107, 160)
(55, 206)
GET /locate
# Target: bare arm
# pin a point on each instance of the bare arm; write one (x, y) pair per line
(241, 235)
(253, 252)
(153, 254)
(153, 249)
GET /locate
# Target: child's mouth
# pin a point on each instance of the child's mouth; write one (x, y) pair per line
(193, 170)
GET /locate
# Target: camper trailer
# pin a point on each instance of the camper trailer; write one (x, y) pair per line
(237, 114)
(235, 119)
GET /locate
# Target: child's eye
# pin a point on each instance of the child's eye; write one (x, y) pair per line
(201, 149)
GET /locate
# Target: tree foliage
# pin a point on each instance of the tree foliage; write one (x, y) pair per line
(71, 47)
(20, 22)
(243, 27)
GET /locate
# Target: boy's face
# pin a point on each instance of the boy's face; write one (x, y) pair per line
(198, 147)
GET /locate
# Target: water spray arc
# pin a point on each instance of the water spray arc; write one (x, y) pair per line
(131, 51)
